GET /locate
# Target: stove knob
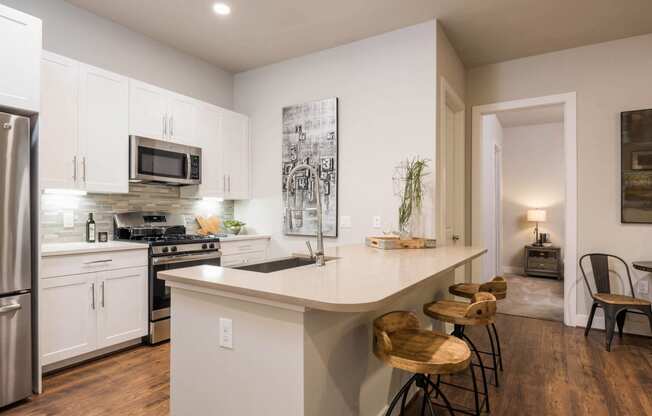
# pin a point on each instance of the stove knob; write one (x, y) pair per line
(173, 249)
(204, 246)
(211, 245)
(164, 249)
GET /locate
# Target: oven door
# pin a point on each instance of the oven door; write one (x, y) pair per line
(159, 294)
(164, 162)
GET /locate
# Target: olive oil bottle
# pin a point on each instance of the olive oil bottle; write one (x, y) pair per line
(90, 229)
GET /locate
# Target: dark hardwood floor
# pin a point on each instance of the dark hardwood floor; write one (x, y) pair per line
(549, 370)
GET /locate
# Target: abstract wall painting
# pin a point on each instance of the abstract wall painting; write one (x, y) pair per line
(636, 166)
(310, 136)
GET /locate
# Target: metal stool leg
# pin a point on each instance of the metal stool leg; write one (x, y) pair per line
(482, 367)
(493, 356)
(401, 392)
(407, 390)
(500, 353)
(447, 404)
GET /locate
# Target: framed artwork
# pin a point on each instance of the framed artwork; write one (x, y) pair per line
(310, 136)
(636, 166)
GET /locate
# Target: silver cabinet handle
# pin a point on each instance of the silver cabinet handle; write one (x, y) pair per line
(97, 261)
(93, 296)
(10, 308)
(102, 300)
(84, 167)
(74, 169)
(172, 126)
(164, 129)
(229, 183)
(223, 183)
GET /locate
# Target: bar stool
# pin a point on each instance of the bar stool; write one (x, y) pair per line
(400, 343)
(480, 312)
(497, 287)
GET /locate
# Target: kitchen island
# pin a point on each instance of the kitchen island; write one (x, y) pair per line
(301, 339)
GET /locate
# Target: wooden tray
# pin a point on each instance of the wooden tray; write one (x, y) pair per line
(390, 242)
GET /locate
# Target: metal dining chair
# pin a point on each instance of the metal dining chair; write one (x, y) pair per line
(615, 306)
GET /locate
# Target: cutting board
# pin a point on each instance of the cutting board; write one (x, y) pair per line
(392, 242)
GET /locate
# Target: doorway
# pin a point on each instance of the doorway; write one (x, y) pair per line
(451, 176)
(488, 186)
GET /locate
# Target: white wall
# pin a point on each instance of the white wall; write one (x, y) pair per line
(533, 177)
(386, 90)
(79, 34)
(493, 132)
(608, 78)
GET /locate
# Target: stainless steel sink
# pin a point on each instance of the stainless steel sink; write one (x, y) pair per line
(278, 264)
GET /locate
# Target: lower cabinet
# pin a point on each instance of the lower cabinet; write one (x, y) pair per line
(86, 312)
(235, 260)
(239, 253)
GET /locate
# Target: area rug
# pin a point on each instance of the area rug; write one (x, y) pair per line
(533, 297)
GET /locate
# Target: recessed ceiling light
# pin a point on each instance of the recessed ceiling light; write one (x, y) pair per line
(221, 9)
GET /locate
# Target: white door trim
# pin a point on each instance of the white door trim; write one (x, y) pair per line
(569, 101)
(447, 97)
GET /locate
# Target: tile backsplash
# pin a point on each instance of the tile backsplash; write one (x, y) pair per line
(157, 198)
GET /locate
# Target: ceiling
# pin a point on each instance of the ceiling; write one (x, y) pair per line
(260, 32)
(530, 116)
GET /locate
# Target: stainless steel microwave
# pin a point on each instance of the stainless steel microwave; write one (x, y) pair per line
(158, 161)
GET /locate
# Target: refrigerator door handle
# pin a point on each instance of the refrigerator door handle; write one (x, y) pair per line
(10, 308)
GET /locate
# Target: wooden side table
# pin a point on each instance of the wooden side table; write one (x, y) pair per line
(543, 261)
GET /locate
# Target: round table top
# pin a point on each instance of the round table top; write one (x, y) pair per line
(645, 266)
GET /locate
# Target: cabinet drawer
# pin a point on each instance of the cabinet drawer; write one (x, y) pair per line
(235, 260)
(542, 265)
(247, 246)
(67, 265)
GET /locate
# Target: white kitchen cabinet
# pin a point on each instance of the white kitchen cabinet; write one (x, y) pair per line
(68, 323)
(160, 114)
(122, 304)
(91, 301)
(58, 122)
(104, 130)
(224, 139)
(242, 252)
(83, 139)
(235, 139)
(22, 39)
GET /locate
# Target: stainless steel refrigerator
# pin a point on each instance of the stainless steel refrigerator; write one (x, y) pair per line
(15, 260)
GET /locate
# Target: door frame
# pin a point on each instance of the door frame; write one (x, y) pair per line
(448, 97)
(479, 197)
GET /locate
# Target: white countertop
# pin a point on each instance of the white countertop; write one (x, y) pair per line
(244, 237)
(360, 279)
(62, 249)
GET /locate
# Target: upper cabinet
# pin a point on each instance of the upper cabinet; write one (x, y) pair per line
(21, 36)
(160, 114)
(224, 139)
(83, 138)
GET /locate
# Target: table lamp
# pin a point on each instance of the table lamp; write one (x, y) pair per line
(536, 216)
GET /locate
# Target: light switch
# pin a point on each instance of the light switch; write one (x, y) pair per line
(345, 221)
(68, 219)
(376, 221)
(226, 333)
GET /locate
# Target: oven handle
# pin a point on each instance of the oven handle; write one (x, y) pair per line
(182, 258)
(188, 166)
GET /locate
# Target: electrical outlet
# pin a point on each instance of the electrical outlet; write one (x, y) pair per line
(377, 223)
(643, 287)
(345, 221)
(68, 219)
(226, 333)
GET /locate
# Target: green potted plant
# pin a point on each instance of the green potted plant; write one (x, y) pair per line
(234, 226)
(409, 178)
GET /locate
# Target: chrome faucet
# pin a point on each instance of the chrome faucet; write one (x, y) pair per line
(319, 254)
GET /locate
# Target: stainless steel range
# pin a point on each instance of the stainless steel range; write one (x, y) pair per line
(169, 248)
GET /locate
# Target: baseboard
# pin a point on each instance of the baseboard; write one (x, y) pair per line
(635, 324)
(413, 391)
(512, 270)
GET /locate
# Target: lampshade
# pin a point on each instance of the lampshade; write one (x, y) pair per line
(536, 215)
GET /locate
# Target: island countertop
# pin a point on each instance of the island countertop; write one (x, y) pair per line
(360, 279)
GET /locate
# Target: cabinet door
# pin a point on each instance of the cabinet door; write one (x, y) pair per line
(68, 317)
(104, 130)
(147, 110)
(235, 136)
(58, 123)
(182, 119)
(122, 302)
(212, 170)
(21, 54)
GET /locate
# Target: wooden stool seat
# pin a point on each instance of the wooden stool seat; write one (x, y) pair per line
(401, 343)
(620, 299)
(497, 287)
(457, 313)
